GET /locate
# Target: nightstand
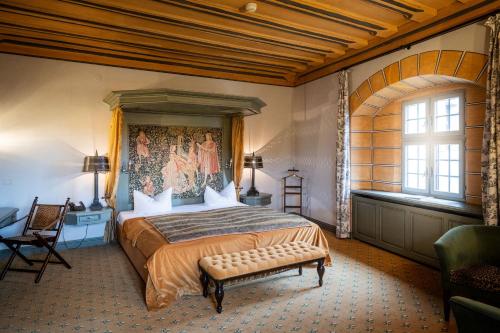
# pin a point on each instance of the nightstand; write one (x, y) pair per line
(87, 217)
(263, 199)
(8, 216)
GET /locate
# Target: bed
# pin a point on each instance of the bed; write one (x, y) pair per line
(170, 270)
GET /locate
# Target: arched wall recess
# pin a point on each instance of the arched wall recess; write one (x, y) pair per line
(375, 108)
(418, 71)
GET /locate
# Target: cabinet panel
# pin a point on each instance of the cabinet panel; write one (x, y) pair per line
(426, 228)
(365, 212)
(392, 225)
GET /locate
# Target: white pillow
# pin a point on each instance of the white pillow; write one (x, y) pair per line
(229, 192)
(227, 197)
(159, 204)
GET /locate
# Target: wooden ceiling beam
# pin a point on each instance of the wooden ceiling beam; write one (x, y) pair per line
(72, 42)
(182, 16)
(44, 43)
(113, 21)
(411, 9)
(339, 15)
(64, 28)
(128, 62)
(275, 23)
(448, 18)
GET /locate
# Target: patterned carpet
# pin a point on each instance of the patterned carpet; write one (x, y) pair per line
(366, 290)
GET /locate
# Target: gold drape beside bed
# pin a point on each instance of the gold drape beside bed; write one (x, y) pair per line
(237, 132)
(114, 155)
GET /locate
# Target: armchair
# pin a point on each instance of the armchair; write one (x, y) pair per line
(473, 316)
(469, 257)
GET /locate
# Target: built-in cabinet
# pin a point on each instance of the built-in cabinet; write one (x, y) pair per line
(403, 229)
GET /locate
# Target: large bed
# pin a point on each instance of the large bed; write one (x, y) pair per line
(170, 270)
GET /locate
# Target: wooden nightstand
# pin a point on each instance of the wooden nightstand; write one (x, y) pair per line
(263, 199)
(8, 216)
(88, 217)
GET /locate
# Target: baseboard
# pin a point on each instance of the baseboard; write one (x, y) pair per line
(321, 224)
(61, 245)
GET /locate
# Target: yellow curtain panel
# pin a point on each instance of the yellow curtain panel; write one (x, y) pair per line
(114, 155)
(237, 132)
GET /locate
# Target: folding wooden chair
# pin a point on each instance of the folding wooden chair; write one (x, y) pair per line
(48, 219)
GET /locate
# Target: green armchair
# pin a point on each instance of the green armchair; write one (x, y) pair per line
(473, 316)
(469, 257)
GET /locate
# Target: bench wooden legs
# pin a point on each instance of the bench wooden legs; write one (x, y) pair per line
(321, 270)
(204, 283)
(219, 294)
(300, 270)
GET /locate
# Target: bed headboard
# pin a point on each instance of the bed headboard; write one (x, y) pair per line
(162, 151)
(165, 130)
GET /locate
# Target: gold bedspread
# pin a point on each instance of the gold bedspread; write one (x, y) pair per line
(173, 267)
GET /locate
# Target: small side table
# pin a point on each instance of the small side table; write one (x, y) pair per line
(8, 215)
(263, 199)
(87, 217)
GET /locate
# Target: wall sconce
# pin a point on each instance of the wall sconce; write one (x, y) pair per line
(228, 164)
(127, 167)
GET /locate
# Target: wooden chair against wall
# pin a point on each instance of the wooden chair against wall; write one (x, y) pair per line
(43, 227)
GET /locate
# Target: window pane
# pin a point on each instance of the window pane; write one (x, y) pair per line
(454, 103)
(454, 185)
(412, 111)
(447, 114)
(421, 166)
(421, 111)
(442, 168)
(412, 151)
(443, 184)
(412, 181)
(412, 127)
(454, 168)
(415, 118)
(413, 166)
(441, 107)
(443, 152)
(455, 152)
(455, 123)
(447, 168)
(422, 182)
(442, 124)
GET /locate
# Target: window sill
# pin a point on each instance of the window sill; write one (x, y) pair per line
(443, 205)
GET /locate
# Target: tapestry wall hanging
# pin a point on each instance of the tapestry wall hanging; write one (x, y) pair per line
(184, 158)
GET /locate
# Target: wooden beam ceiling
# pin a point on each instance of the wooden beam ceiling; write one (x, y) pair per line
(284, 42)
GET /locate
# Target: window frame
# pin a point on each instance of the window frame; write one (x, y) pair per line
(431, 139)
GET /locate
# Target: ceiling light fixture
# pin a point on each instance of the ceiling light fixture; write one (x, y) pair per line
(250, 7)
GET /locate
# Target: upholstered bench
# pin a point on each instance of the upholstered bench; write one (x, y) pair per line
(239, 265)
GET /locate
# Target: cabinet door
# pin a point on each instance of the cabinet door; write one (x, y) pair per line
(392, 225)
(425, 228)
(365, 213)
(456, 220)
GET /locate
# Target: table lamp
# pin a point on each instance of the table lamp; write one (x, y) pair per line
(96, 164)
(253, 162)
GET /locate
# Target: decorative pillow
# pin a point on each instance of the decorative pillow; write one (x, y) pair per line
(229, 192)
(159, 204)
(484, 277)
(212, 198)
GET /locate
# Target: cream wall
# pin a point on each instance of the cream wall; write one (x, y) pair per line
(315, 106)
(52, 115)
